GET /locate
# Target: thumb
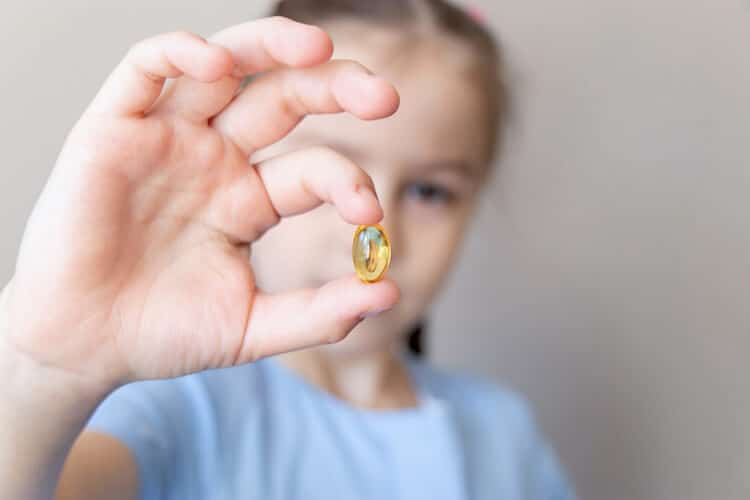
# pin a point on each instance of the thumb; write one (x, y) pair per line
(289, 321)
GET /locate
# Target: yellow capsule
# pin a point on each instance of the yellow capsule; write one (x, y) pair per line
(371, 252)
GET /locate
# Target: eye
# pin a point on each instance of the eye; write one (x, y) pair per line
(430, 193)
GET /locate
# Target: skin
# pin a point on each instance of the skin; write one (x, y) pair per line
(152, 195)
(427, 178)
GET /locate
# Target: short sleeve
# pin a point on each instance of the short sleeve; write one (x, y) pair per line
(145, 417)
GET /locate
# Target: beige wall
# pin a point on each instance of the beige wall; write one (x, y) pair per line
(608, 275)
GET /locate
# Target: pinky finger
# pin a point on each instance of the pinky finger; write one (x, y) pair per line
(289, 321)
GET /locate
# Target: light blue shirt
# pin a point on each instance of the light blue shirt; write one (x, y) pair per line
(259, 431)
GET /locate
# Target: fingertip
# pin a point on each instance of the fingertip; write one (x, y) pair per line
(370, 210)
(323, 42)
(201, 60)
(390, 100)
(366, 297)
(387, 294)
(306, 44)
(314, 316)
(220, 63)
(356, 204)
(391, 292)
(366, 96)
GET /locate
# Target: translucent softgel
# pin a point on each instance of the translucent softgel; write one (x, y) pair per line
(371, 252)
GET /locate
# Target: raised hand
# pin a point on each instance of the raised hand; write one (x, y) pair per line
(134, 262)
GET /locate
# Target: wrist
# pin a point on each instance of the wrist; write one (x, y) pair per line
(42, 412)
(29, 382)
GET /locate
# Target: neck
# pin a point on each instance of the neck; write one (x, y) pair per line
(376, 380)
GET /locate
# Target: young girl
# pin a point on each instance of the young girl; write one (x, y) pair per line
(180, 341)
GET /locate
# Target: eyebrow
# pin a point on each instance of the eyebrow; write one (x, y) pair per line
(463, 168)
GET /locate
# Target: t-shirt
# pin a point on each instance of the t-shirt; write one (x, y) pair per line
(261, 431)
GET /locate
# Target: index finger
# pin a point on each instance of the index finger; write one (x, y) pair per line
(289, 184)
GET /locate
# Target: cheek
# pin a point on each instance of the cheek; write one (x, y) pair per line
(430, 249)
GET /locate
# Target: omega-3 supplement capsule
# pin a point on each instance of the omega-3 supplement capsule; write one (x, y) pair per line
(371, 252)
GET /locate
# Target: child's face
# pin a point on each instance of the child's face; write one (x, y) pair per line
(426, 162)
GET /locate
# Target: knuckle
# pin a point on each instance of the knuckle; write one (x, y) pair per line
(277, 19)
(186, 36)
(136, 57)
(292, 104)
(350, 66)
(327, 154)
(135, 49)
(244, 210)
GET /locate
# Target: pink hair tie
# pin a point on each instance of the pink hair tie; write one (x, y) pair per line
(476, 14)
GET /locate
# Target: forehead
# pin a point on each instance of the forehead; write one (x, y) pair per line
(439, 116)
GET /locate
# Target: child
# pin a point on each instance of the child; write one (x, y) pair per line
(240, 387)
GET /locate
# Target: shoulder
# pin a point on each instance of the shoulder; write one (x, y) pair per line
(497, 421)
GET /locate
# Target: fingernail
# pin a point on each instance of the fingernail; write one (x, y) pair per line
(368, 193)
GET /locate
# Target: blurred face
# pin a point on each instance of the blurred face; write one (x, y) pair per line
(427, 165)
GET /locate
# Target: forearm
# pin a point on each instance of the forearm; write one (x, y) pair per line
(42, 411)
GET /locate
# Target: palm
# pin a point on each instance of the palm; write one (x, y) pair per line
(134, 263)
(170, 291)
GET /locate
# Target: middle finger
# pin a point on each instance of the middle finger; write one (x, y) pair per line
(270, 107)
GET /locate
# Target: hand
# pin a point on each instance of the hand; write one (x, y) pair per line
(134, 263)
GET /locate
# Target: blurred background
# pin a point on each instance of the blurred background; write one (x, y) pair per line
(608, 274)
